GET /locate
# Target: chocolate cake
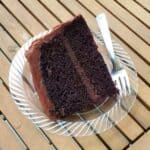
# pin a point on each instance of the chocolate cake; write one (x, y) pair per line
(69, 74)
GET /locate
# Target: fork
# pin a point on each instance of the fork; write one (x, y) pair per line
(119, 74)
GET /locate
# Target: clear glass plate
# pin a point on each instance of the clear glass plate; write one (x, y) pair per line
(94, 121)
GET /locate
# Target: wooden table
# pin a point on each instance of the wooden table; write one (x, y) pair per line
(130, 26)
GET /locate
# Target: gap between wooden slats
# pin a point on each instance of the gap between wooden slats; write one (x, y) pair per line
(136, 11)
(145, 4)
(7, 132)
(141, 143)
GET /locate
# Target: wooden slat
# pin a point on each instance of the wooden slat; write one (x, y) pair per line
(122, 31)
(4, 72)
(63, 142)
(144, 92)
(145, 3)
(128, 19)
(113, 136)
(138, 11)
(142, 143)
(130, 127)
(74, 7)
(20, 123)
(22, 14)
(91, 143)
(57, 9)
(7, 44)
(141, 114)
(41, 13)
(10, 23)
(6, 133)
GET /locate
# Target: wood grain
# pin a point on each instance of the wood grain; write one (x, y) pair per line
(141, 114)
(145, 3)
(60, 12)
(137, 11)
(4, 71)
(12, 26)
(22, 15)
(7, 44)
(142, 144)
(63, 142)
(130, 128)
(45, 17)
(113, 136)
(91, 143)
(6, 133)
(144, 92)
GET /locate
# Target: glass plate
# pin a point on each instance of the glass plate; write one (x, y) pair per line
(98, 120)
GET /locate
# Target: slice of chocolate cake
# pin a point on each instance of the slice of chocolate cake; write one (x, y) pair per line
(69, 74)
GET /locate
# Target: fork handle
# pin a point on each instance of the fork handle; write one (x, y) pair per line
(103, 26)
